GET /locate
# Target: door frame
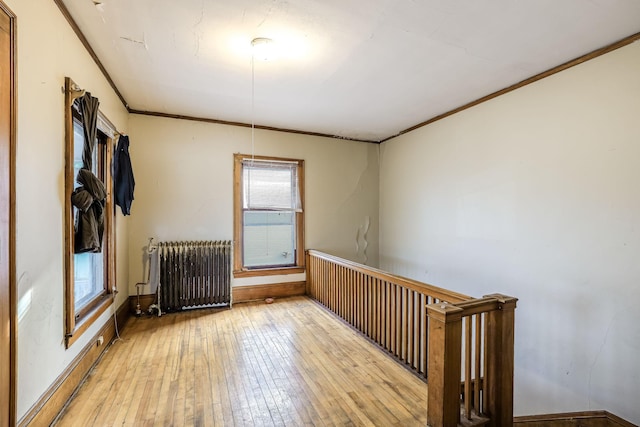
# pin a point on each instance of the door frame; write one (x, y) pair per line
(9, 236)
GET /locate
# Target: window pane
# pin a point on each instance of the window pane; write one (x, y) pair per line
(270, 186)
(89, 278)
(269, 239)
(88, 267)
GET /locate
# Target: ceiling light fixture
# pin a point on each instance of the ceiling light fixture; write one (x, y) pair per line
(262, 49)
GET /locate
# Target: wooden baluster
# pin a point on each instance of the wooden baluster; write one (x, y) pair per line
(329, 286)
(445, 342)
(327, 282)
(310, 272)
(317, 281)
(322, 284)
(405, 326)
(345, 293)
(374, 309)
(398, 352)
(478, 356)
(419, 333)
(332, 274)
(416, 331)
(498, 387)
(363, 303)
(339, 310)
(339, 291)
(315, 278)
(334, 289)
(378, 313)
(347, 278)
(425, 344)
(392, 317)
(467, 367)
(360, 303)
(383, 311)
(368, 310)
(387, 310)
(352, 281)
(412, 328)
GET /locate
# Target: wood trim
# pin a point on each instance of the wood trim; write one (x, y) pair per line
(582, 419)
(259, 292)
(8, 397)
(145, 301)
(70, 321)
(239, 293)
(444, 361)
(237, 213)
(53, 400)
(577, 61)
(440, 293)
(87, 46)
(110, 220)
(499, 362)
(74, 328)
(245, 125)
(572, 63)
(88, 320)
(268, 272)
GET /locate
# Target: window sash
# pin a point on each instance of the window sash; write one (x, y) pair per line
(269, 239)
(88, 268)
(270, 185)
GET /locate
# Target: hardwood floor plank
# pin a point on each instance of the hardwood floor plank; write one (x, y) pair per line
(290, 363)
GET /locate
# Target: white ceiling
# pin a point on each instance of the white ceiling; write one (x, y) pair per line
(361, 69)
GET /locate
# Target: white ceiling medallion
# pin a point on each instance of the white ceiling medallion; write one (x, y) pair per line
(263, 49)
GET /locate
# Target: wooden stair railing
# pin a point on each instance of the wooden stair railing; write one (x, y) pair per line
(479, 332)
(432, 330)
(389, 309)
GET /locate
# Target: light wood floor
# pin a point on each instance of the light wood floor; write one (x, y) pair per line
(289, 363)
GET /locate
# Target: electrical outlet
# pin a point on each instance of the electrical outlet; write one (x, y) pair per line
(100, 340)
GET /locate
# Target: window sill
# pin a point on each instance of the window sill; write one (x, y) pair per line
(88, 319)
(268, 272)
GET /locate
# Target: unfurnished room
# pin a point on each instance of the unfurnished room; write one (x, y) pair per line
(297, 212)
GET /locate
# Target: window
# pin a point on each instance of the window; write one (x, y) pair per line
(268, 220)
(88, 271)
(88, 267)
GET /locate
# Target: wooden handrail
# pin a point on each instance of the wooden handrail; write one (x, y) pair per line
(414, 285)
(433, 331)
(487, 371)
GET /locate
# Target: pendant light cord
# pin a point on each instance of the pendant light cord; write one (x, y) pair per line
(253, 107)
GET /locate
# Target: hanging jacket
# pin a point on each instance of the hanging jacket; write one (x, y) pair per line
(89, 199)
(123, 181)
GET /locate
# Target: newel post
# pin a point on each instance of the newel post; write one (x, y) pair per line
(499, 375)
(308, 283)
(444, 364)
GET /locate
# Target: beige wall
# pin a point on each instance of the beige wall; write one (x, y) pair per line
(184, 187)
(48, 50)
(535, 194)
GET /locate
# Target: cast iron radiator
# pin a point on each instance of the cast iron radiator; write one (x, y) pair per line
(194, 274)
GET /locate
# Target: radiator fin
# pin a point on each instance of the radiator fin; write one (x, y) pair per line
(195, 274)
